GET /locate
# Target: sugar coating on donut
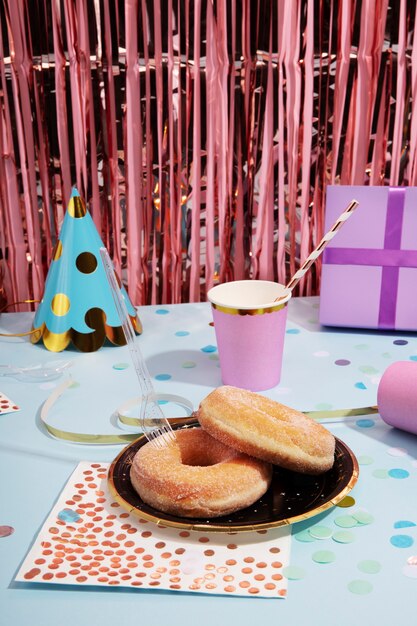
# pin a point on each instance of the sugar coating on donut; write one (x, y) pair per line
(267, 430)
(197, 476)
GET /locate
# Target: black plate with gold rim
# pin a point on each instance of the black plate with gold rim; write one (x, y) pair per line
(291, 498)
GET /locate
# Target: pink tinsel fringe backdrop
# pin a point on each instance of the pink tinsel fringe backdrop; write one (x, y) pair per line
(202, 133)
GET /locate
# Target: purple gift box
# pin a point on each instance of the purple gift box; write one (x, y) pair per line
(369, 270)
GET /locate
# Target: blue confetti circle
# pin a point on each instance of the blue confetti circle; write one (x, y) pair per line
(360, 386)
(397, 472)
(209, 348)
(413, 357)
(182, 333)
(68, 515)
(161, 311)
(403, 523)
(365, 423)
(400, 342)
(401, 541)
(163, 376)
(293, 331)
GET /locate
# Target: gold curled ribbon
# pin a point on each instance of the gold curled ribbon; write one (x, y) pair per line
(341, 413)
(124, 438)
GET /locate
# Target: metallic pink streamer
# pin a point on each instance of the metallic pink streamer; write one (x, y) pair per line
(202, 134)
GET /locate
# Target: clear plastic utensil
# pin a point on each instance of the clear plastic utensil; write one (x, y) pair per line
(155, 425)
(36, 373)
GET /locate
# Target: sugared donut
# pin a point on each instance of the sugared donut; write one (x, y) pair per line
(267, 430)
(197, 476)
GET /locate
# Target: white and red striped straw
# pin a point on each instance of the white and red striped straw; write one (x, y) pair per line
(323, 243)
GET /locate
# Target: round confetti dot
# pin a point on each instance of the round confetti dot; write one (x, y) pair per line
(293, 572)
(161, 311)
(163, 376)
(386, 355)
(6, 531)
(321, 532)
(360, 587)
(380, 473)
(120, 366)
(182, 333)
(397, 452)
(400, 342)
(86, 263)
(188, 364)
(292, 331)
(321, 353)
(370, 567)
(365, 460)
(368, 369)
(346, 502)
(363, 517)
(342, 362)
(323, 407)
(362, 346)
(323, 556)
(214, 357)
(343, 536)
(403, 524)
(413, 357)
(398, 473)
(68, 515)
(208, 349)
(304, 536)
(346, 521)
(410, 571)
(365, 423)
(401, 541)
(360, 385)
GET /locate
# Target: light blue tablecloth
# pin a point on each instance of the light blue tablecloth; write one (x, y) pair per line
(367, 578)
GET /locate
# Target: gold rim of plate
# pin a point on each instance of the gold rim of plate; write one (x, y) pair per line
(212, 526)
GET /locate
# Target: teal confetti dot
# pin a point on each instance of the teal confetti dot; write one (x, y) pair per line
(213, 357)
(343, 536)
(293, 572)
(363, 517)
(162, 402)
(365, 460)
(321, 532)
(68, 515)
(209, 349)
(369, 566)
(163, 376)
(120, 366)
(304, 536)
(362, 346)
(323, 556)
(293, 331)
(413, 357)
(360, 385)
(403, 523)
(161, 311)
(398, 473)
(188, 364)
(401, 541)
(182, 333)
(380, 473)
(360, 587)
(368, 369)
(345, 521)
(365, 423)
(387, 355)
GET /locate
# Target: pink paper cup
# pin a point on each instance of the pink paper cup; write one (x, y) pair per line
(250, 331)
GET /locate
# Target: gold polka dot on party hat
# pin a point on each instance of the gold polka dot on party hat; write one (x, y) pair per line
(86, 263)
(76, 207)
(60, 304)
(57, 251)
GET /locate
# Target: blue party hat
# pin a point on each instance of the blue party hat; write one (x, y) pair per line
(77, 306)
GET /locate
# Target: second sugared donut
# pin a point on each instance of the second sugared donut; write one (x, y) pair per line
(267, 430)
(198, 476)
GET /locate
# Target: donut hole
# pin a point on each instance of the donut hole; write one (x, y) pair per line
(203, 452)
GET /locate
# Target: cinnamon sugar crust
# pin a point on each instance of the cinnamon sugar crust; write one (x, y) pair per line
(267, 430)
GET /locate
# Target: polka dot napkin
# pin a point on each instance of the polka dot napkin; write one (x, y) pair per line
(88, 539)
(7, 405)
